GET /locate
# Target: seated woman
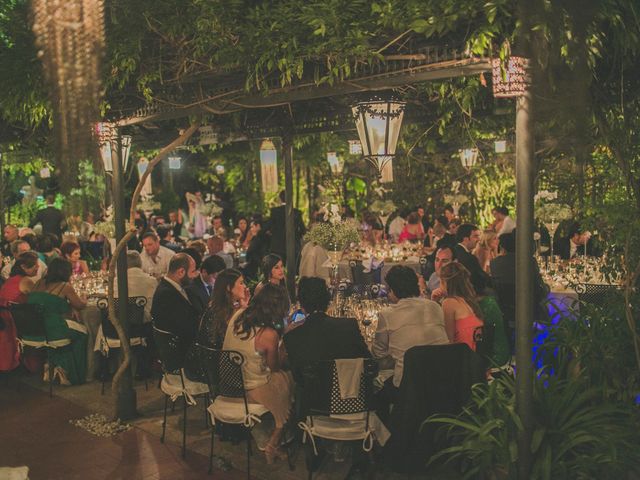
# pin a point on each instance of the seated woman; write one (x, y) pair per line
(462, 314)
(492, 315)
(71, 251)
(252, 333)
(412, 231)
(486, 249)
(272, 271)
(228, 296)
(15, 290)
(59, 300)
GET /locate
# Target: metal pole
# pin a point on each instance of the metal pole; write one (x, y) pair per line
(2, 216)
(525, 174)
(126, 395)
(290, 233)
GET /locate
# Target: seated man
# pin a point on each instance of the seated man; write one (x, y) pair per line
(467, 237)
(215, 245)
(409, 322)
(172, 311)
(155, 257)
(140, 284)
(321, 337)
(199, 291)
(444, 255)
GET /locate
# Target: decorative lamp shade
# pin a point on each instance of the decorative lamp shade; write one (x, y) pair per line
(511, 79)
(469, 157)
(500, 146)
(335, 163)
(385, 167)
(143, 164)
(220, 169)
(107, 134)
(174, 163)
(269, 166)
(355, 147)
(378, 123)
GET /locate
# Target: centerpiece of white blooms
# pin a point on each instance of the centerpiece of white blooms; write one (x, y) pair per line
(210, 207)
(148, 205)
(455, 198)
(334, 235)
(550, 212)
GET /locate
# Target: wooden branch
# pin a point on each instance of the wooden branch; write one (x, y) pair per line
(124, 340)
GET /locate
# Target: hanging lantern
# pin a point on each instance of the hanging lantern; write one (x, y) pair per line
(355, 147)
(511, 79)
(220, 169)
(107, 134)
(335, 163)
(468, 157)
(500, 146)
(269, 166)
(142, 166)
(174, 163)
(378, 122)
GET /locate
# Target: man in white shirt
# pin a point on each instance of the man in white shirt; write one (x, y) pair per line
(409, 322)
(444, 255)
(155, 257)
(140, 284)
(504, 222)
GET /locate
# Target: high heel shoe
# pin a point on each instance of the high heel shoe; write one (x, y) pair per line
(62, 376)
(271, 452)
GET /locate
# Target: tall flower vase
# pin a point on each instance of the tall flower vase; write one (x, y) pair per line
(456, 208)
(334, 258)
(551, 226)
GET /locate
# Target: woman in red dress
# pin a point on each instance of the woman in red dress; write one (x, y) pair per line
(15, 290)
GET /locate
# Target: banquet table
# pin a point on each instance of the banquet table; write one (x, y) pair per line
(344, 268)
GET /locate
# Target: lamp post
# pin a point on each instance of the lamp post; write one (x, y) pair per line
(378, 122)
(115, 156)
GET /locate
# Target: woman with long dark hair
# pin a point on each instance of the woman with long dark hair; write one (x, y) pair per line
(58, 300)
(462, 313)
(252, 332)
(272, 272)
(258, 248)
(228, 296)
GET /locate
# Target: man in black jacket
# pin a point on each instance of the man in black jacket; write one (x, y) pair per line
(199, 291)
(467, 237)
(172, 311)
(51, 219)
(321, 337)
(277, 227)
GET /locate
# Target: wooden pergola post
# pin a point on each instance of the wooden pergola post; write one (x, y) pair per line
(290, 226)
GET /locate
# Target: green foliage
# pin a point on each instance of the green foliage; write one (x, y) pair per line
(493, 185)
(576, 434)
(89, 196)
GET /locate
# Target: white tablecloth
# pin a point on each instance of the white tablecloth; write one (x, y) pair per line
(90, 317)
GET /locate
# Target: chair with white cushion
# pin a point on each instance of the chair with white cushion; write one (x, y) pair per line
(174, 383)
(332, 416)
(223, 370)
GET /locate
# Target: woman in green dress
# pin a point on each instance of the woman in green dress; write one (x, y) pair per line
(493, 316)
(59, 302)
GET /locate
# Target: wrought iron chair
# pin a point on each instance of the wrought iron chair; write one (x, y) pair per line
(174, 384)
(331, 417)
(110, 339)
(32, 332)
(597, 295)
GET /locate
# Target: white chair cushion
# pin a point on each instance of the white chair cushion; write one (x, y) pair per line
(231, 410)
(172, 385)
(336, 428)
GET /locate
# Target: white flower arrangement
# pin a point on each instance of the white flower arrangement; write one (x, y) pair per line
(545, 195)
(148, 204)
(549, 211)
(334, 234)
(456, 199)
(210, 209)
(383, 207)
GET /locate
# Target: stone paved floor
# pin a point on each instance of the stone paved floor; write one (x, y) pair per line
(35, 431)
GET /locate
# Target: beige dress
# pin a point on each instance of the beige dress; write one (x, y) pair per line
(271, 389)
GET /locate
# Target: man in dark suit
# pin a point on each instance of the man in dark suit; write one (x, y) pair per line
(467, 237)
(51, 219)
(321, 337)
(172, 311)
(199, 291)
(574, 244)
(277, 227)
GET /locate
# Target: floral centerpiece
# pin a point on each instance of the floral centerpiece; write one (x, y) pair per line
(550, 212)
(148, 205)
(456, 200)
(334, 235)
(107, 227)
(210, 207)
